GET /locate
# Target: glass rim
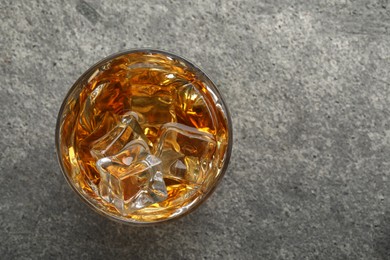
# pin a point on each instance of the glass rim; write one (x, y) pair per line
(205, 196)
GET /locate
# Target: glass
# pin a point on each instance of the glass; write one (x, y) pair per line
(143, 136)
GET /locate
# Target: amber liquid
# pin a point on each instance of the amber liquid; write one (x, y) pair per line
(150, 85)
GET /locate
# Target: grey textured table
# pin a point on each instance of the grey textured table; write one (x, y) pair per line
(308, 86)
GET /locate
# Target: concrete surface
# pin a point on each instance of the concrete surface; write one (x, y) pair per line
(308, 85)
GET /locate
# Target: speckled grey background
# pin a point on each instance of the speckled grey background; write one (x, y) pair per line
(308, 85)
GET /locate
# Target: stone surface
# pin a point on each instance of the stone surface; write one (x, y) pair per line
(308, 86)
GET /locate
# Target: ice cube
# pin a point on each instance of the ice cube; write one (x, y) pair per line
(191, 107)
(106, 96)
(115, 140)
(87, 161)
(155, 104)
(186, 152)
(131, 179)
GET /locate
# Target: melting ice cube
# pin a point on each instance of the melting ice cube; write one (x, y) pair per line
(111, 143)
(155, 105)
(186, 152)
(131, 179)
(191, 107)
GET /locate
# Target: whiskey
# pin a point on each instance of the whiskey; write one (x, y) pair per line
(144, 136)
